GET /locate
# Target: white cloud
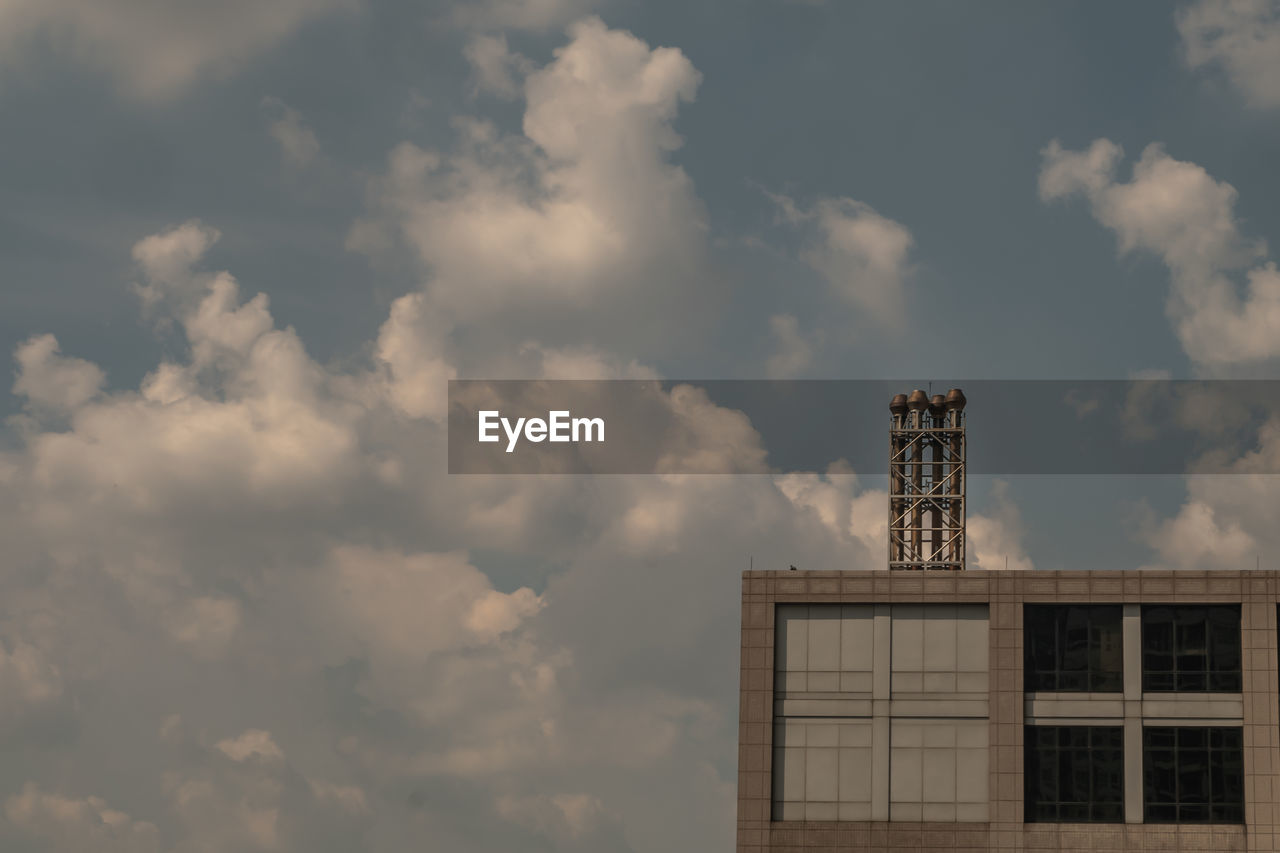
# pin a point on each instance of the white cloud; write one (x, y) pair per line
(862, 255)
(155, 51)
(409, 350)
(1242, 37)
(251, 744)
(710, 438)
(251, 542)
(79, 824)
(52, 382)
(272, 426)
(852, 515)
(244, 794)
(296, 139)
(859, 516)
(507, 688)
(995, 538)
(166, 260)
(1064, 173)
(402, 607)
(1177, 211)
(1197, 538)
(1226, 521)
(582, 207)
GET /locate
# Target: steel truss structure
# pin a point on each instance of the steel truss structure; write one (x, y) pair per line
(927, 481)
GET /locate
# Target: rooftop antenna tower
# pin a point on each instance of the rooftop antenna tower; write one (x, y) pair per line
(926, 481)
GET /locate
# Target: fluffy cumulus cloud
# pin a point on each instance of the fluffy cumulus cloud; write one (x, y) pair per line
(583, 212)
(140, 508)
(1224, 304)
(995, 537)
(1226, 521)
(51, 382)
(1224, 299)
(248, 525)
(244, 793)
(1239, 37)
(248, 407)
(861, 254)
(1200, 536)
(249, 581)
(155, 51)
(835, 501)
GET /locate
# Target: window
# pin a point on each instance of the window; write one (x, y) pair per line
(1193, 774)
(1073, 648)
(1074, 774)
(1191, 647)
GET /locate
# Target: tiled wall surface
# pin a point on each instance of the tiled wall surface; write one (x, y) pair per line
(1004, 593)
(880, 712)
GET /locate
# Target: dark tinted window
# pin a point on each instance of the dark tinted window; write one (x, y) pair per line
(1193, 774)
(1073, 647)
(1193, 647)
(1074, 774)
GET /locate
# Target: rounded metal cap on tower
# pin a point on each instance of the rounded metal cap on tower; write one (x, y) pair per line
(918, 401)
(898, 405)
(955, 399)
(936, 405)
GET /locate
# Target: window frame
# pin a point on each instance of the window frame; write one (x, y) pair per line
(1058, 680)
(1093, 761)
(1178, 811)
(1213, 647)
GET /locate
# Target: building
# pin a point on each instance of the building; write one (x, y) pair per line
(937, 709)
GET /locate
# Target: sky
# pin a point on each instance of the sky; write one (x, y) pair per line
(242, 250)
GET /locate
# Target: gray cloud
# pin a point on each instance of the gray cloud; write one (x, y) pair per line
(156, 51)
(297, 141)
(1242, 38)
(860, 254)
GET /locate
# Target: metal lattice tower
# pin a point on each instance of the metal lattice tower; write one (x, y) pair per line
(926, 481)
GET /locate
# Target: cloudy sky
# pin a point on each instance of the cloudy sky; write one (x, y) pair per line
(244, 245)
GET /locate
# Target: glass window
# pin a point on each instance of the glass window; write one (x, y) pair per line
(1192, 647)
(1074, 774)
(1075, 648)
(1193, 774)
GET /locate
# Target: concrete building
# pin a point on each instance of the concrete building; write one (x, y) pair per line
(972, 710)
(932, 708)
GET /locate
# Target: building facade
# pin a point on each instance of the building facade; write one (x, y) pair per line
(944, 710)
